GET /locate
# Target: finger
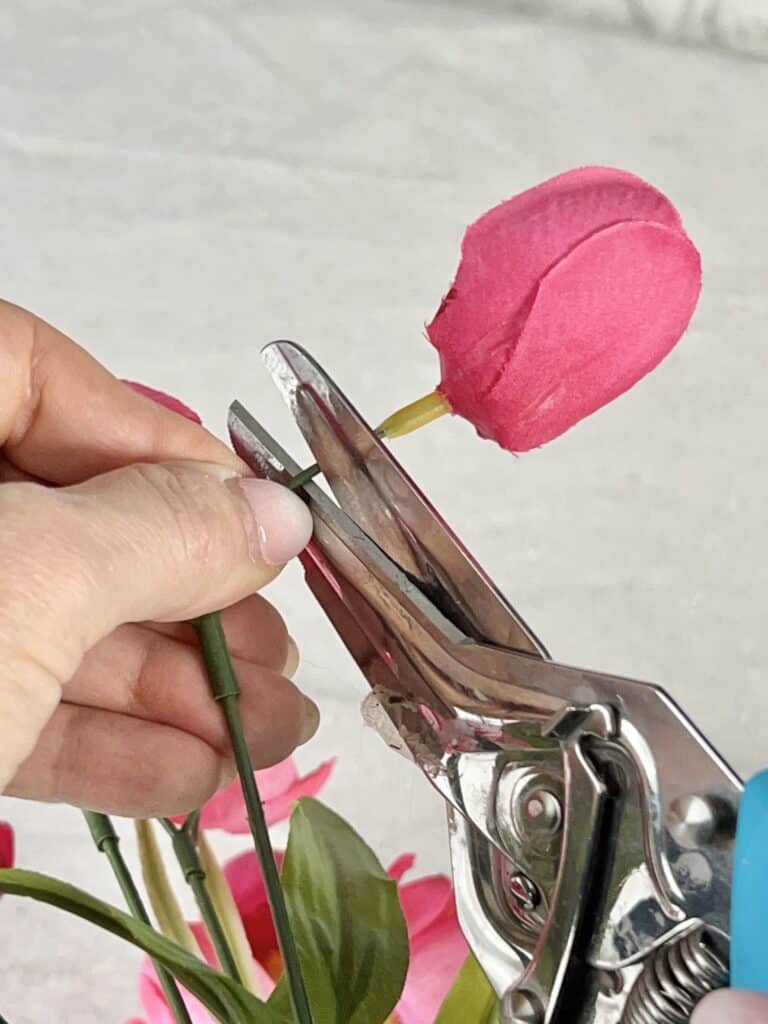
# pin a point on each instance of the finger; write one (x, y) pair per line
(255, 632)
(136, 671)
(145, 542)
(64, 418)
(119, 764)
(731, 1006)
(12, 474)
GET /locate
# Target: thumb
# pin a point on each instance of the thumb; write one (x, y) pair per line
(167, 541)
(732, 1006)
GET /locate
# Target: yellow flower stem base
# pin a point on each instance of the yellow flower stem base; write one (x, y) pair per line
(404, 421)
(417, 414)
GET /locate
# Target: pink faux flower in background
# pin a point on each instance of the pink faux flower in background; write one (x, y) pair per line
(279, 787)
(6, 845)
(161, 398)
(438, 948)
(153, 1000)
(565, 296)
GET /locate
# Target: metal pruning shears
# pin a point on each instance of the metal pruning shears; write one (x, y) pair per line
(591, 825)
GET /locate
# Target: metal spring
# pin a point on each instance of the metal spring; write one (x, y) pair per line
(674, 979)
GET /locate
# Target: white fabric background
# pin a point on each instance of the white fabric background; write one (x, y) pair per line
(184, 181)
(740, 25)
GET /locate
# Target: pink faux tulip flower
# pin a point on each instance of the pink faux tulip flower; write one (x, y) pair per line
(565, 296)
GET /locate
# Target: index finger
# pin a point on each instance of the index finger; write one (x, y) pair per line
(65, 418)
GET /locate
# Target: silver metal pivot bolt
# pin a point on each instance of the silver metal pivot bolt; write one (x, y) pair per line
(524, 891)
(542, 812)
(520, 1008)
(694, 821)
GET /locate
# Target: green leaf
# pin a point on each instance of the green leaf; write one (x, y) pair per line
(471, 998)
(346, 918)
(226, 999)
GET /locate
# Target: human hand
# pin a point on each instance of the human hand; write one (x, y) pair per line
(732, 1006)
(103, 698)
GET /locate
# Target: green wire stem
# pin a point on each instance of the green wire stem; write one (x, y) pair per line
(194, 875)
(225, 688)
(107, 842)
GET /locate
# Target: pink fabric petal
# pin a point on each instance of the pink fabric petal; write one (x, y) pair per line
(166, 400)
(206, 946)
(401, 865)
(602, 318)
(277, 779)
(6, 845)
(155, 1006)
(436, 958)
(249, 892)
(280, 787)
(507, 250)
(565, 296)
(153, 999)
(264, 981)
(279, 805)
(424, 902)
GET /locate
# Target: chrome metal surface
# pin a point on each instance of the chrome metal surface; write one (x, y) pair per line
(524, 892)
(561, 783)
(542, 814)
(695, 821)
(676, 978)
(520, 1008)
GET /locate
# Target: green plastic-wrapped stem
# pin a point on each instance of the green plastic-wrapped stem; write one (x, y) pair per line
(194, 875)
(225, 688)
(108, 842)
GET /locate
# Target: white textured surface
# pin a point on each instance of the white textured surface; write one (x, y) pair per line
(182, 182)
(740, 25)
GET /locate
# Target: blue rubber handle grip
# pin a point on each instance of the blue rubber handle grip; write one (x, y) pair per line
(749, 898)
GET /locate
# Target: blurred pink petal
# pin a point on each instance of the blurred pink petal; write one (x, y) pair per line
(249, 892)
(153, 999)
(400, 865)
(424, 902)
(6, 845)
(155, 1006)
(280, 787)
(437, 955)
(438, 948)
(166, 400)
